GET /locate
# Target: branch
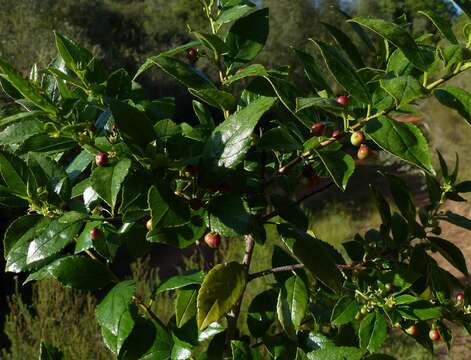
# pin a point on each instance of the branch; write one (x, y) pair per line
(361, 122)
(145, 308)
(298, 201)
(275, 270)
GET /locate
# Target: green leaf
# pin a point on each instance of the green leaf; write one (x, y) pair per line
(279, 139)
(17, 238)
(261, 313)
(80, 272)
(21, 116)
(230, 141)
(221, 289)
(421, 310)
(247, 36)
(140, 341)
(133, 125)
(212, 42)
(336, 353)
(442, 24)
(240, 350)
(229, 215)
(179, 281)
(404, 140)
(340, 166)
(114, 313)
(292, 305)
(234, 12)
(344, 311)
(49, 352)
(26, 88)
(457, 220)
(20, 131)
(325, 104)
(313, 73)
(398, 36)
(464, 5)
(15, 174)
(166, 209)
(43, 143)
(451, 252)
(404, 89)
(185, 306)
(289, 211)
(56, 236)
(314, 254)
(75, 57)
(373, 332)
(216, 98)
(456, 99)
(79, 164)
(344, 73)
(346, 44)
(107, 181)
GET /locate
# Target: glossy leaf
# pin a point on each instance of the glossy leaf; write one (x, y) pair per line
(403, 140)
(57, 235)
(344, 311)
(114, 313)
(107, 181)
(456, 99)
(339, 165)
(451, 252)
(185, 306)
(346, 44)
(373, 332)
(336, 353)
(230, 141)
(444, 26)
(180, 281)
(133, 125)
(404, 89)
(221, 289)
(26, 88)
(247, 36)
(397, 36)
(325, 104)
(292, 305)
(229, 215)
(344, 73)
(314, 254)
(80, 272)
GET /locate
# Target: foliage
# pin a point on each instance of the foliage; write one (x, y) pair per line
(101, 170)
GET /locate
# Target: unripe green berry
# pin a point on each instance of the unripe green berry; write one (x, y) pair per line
(357, 138)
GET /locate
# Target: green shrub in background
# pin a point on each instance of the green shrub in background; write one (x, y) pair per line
(66, 318)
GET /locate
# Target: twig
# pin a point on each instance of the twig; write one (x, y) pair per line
(275, 270)
(145, 308)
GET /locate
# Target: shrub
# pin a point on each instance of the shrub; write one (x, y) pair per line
(103, 171)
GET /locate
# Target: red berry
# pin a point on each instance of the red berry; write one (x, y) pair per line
(337, 133)
(192, 54)
(317, 129)
(196, 204)
(213, 240)
(460, 297)
(363, 152)
(434, 335)
(357, 138)
(412, 330)
(389, 287)
(101, 158)
(149, 225)
(343, 100)
(94, 233)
